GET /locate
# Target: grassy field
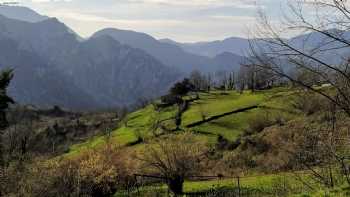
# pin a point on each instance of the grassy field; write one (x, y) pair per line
(138, 125)
(273, 103)
(283, 184)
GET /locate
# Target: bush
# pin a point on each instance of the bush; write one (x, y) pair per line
(92, 173)
(171, 99)
(224, 144)
(310, 103)
(258, 123)
(97, 174)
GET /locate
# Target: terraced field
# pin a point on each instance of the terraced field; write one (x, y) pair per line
(274, 103)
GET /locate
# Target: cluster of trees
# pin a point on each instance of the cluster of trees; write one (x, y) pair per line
(253, 77)
(249, 76)
(223, 80)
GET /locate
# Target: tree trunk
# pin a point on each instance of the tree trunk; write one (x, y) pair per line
(175, 184)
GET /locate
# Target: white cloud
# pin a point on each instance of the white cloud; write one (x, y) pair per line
(48, 1)
(238, 3)
(184, 20)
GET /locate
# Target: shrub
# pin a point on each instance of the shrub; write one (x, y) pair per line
(92, 173)
(224, 144)
(98, 176)
(171, 99)
(309, 103)
(257, 124)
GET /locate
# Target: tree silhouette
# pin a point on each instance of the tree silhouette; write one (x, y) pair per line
(5, 100)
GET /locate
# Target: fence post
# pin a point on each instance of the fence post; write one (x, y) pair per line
(239, 186)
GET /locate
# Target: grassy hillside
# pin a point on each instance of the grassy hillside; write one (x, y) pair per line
(274, 103)
(254, 135)
(137, 132)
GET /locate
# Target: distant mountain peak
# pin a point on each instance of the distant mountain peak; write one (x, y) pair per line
(21, 13)
(226, 53)
(235, 45)
(125, 35)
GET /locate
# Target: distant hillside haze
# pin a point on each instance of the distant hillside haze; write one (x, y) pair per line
(38, 84)
(21, 13)
(225, 60)
(241, 46)
(238, 46)
(169, 53)
(52, 67)
(117, 74)
(338, 53)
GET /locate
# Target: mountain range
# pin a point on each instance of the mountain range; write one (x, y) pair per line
(173, 55)
(54, 66)
(21, 13)
(238, 46)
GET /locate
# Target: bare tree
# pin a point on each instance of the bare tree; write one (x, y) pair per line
(222, 79)
(231, 85)
(209, 82)
(175, 159)
(321, 52)
(197, 80)
(317, 58)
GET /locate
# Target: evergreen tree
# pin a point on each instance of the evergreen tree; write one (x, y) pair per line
(5, 100)
(182, 88)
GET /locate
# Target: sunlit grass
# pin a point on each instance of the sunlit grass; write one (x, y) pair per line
(139, 123)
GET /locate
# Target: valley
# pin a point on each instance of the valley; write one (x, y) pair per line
(122, 98)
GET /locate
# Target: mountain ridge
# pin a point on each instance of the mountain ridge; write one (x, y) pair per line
(21, 13)
(234, 45)
(63, 57)
(169, 54)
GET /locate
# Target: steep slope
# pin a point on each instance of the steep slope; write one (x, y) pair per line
(49, 38)
(229, 61)
(117, 74)
(275, 102)
(110, 73)
(168, 53)
(36, 83)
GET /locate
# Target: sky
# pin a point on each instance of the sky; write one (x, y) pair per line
(180, 20)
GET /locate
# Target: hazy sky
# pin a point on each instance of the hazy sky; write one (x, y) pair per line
(181, 20)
